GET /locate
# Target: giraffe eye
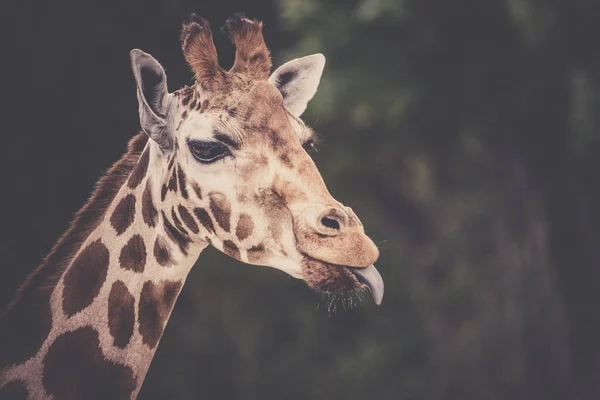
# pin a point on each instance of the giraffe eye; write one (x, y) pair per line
(309, 145)
(208, 152)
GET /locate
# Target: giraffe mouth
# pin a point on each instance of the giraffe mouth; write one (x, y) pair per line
(330, 278)
(372, 279)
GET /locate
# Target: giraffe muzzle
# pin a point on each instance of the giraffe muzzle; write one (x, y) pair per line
(339, 256)
(332, 235)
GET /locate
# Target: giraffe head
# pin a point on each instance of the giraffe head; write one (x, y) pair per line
(234, 170)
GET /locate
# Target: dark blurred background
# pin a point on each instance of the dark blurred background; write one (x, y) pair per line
(464, 133)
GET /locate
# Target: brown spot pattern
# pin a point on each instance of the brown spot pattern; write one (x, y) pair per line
(221, 209)
(163, 192)
(183, 117)
(178, 223)
(14, 390)
(245, 226)
(175, 235)
(85, 277)
(133, 254)
(173, 181)
(139, 171)
(121, 314)
(275, 140)
(197, 190)
(156, 303)
(204, 219)
(123, 214)
(27, 320)
(149, 212)
(232, 112)
(181, 178)
(75, 368)
(187, 219)
(162, 253)
(285, 160)
(231, 249)
(256, 253)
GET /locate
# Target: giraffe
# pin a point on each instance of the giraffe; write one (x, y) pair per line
(222, 162)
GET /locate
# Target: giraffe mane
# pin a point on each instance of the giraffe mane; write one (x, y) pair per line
(52, 267)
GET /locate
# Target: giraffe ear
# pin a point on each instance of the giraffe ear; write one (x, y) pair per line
(297, 80)
(153, 97)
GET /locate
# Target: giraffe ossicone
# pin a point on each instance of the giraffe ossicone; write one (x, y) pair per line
(222, 162)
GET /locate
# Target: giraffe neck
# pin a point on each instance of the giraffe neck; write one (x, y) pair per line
(105, 311)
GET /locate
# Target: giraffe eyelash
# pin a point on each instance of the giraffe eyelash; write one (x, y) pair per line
(309, 145)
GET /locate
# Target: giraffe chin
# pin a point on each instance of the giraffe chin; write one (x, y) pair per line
(337, 279)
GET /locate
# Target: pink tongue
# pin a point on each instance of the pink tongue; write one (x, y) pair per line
(371, 277)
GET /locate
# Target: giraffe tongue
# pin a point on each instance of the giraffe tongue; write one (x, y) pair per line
(371, 277)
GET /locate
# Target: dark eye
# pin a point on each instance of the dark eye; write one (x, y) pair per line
(309, 145)
(208, 152)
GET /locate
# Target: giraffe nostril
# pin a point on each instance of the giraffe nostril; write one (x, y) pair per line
(330, 223)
